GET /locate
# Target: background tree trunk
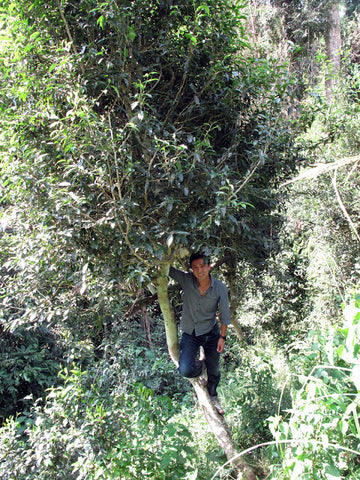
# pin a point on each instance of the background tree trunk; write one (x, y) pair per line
(333, 46)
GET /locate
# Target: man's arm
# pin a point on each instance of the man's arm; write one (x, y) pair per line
(224, 306)
(178, 275)
(221, 342)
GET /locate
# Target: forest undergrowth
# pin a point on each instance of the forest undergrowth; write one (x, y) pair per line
(129, 414)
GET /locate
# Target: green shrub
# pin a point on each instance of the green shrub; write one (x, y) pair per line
(320, 438)
(87, 429)
(253, 391)
(129, 356)
(29, 363)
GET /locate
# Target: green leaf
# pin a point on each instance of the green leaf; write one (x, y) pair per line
(166, 460)
(203, 8)
(131, 34)
(100, 21)
(332, 473)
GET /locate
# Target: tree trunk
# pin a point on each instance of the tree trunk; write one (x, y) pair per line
(333, 46)
(168, 313)
(145, 319)
(216, 422)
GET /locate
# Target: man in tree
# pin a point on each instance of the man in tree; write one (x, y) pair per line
(204, 297)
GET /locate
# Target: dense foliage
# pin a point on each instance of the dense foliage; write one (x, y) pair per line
(125, 132)
(88, 429)
(321, 436)
(159, 128)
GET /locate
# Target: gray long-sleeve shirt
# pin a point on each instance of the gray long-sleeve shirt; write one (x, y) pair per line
(199, 311)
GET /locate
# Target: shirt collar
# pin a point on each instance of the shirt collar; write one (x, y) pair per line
(212, 280)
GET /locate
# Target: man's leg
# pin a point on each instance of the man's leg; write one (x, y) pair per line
(212, 364)
(189, 366)
(212, 360)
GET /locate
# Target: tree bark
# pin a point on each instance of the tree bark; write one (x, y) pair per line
(216, 422)
(333, 46)
(168, 313)
(145, 319)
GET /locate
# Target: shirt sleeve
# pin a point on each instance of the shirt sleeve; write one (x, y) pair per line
(224, 308)
(178, 275)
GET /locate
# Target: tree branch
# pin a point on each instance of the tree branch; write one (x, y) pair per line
(342, 206)
(61, 10)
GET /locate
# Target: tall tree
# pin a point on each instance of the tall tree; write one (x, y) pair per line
(309, 22)
(142, 130)
(333, 45)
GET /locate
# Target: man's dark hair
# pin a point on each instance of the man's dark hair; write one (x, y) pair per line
(196, 256)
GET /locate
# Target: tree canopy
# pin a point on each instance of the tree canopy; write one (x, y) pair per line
(142, 127)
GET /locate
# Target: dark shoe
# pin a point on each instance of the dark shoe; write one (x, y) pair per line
(216, 403)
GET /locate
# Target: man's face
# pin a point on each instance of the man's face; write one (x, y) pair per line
(201, 270)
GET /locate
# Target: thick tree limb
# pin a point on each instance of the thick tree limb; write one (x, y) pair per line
(221, 431)
(224, 259)
(321, 168)
(168, 313)
(140, 303)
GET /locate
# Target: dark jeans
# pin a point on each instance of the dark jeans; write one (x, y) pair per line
(190, 367)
